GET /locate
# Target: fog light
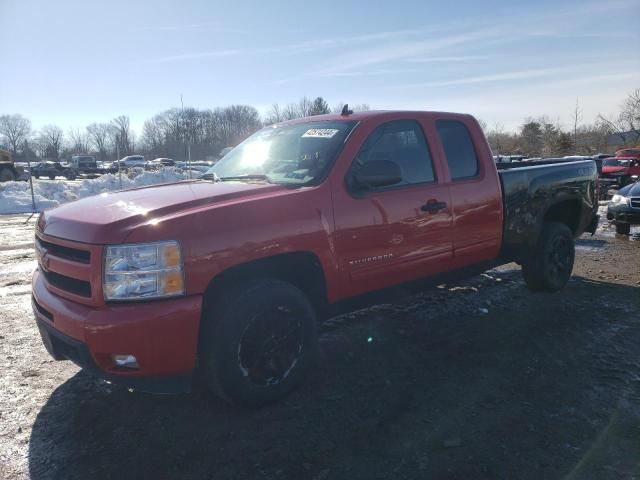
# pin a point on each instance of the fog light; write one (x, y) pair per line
(126, 361)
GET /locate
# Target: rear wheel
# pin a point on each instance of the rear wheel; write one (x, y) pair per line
(258, 342)
(52, 177)
(549, 267)
(623, 228)
(7, 175)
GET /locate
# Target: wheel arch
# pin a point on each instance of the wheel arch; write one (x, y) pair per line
(564, 211)
(302, 269)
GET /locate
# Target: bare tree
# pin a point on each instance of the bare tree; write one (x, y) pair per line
(153, 136)
(495, 137)
(14, 129)
(576, 117)
(627, 124)
(98, 137)
(275, 115)
(630, 113)
(52, 137)
(121, 135)
(78, 140)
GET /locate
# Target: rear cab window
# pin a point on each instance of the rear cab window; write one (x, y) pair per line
(459, 150)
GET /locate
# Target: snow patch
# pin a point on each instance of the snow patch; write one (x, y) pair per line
(15, 197)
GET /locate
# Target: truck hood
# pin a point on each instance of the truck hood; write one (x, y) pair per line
(631, 190)
(616, 169)
(108, 218)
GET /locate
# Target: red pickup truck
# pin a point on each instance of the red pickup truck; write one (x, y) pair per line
(224, 278)
(622, 170)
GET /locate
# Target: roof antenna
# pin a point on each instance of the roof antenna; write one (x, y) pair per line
(345, 110)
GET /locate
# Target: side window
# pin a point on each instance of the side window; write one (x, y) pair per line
(458, 148)
(403, 143)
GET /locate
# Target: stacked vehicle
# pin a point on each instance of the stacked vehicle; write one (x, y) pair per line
(623, 169)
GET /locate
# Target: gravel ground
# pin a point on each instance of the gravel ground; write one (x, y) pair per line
(479, 380)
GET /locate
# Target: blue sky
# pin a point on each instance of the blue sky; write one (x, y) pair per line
(74, 62)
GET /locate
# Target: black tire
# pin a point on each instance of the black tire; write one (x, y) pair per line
(549, 267)
(623, 228)
(52, 177)
(36, 176)
(241, 326)
(7, 175)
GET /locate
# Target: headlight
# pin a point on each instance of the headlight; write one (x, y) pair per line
(143, 270)
(618, 199)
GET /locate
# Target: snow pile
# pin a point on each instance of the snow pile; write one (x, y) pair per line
(15, 197)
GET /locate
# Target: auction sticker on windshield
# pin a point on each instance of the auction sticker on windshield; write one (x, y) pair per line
(320, 133)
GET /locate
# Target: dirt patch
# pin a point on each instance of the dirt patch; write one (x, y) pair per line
(479, 380)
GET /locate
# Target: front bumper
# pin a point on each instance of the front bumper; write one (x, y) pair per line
(162, 335)
(623, 213)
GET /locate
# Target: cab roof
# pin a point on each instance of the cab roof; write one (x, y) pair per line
(373, 114)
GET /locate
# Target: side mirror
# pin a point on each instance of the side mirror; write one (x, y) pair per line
(377, 173)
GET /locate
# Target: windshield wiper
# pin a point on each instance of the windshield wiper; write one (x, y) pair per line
(210, 176)
(252, 176)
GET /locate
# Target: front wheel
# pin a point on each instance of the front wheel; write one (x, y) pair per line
(549, 266)
(52, 177)
(258, 342)
(623, 228)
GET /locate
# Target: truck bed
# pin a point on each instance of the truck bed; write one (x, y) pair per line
(539, 191)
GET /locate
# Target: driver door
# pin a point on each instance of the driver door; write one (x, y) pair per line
(397, 233)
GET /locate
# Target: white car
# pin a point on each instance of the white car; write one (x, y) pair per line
(130, 162)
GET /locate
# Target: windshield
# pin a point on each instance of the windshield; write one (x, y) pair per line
(294, 154)
(616, 163)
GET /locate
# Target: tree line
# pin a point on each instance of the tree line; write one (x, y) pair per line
(544, 137)
(188, 132)
(178, 133)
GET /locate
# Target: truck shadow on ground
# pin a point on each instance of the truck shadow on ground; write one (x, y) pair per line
(542, 386)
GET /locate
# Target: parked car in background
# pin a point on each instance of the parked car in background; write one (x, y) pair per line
(158, 163)
(633, 152)
(624, 208)
(85, 165)
(129, 161)
(602, 156)
(197, 168)
(508, 158)
(53, 170)
(620, 170)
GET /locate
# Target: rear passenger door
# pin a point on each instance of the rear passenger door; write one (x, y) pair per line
(476, 199)
(397, 233)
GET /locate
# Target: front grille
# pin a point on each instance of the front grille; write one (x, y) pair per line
(68, 284)
(635, 202)
(44, 312)
(81, 256)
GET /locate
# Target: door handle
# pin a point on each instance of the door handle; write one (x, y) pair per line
(433, 206)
